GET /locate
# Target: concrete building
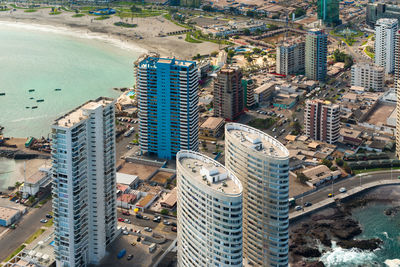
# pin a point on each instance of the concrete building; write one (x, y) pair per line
(321, 120)
(33, 183)
(261, 163)
(290, 57)
(212, 128)
(209, 213)
(397, 85)
(328, 12)
(9, 216)
(168, 105)
(316, 54)
(84, 189)
(321, 174)
(377, 11)
(228, 94)
(368, 76)
(385, 34)
(263, 94)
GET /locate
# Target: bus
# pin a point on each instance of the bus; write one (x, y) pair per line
(292, 202)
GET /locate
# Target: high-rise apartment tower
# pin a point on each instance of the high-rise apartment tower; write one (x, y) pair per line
(321, 119)
(316, 54)
(228, 94)
(385, 35)
(328, 12)
(84, 187)
(168, 101)
(209, 213)
(261, 163)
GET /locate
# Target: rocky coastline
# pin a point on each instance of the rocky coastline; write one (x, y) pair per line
(312, 236)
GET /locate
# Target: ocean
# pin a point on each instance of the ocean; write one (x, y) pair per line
(375, 224)
(83, 65)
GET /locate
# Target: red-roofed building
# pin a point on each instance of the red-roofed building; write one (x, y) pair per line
(125, 200)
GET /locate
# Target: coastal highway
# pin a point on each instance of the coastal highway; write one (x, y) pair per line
(29, 224)
(348, 183)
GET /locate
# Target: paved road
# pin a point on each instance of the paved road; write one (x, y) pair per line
(349, 183)
(30, 223)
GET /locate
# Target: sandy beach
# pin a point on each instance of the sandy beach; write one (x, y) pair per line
(145, 35)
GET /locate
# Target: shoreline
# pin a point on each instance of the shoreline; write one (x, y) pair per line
(143, 38)
(336, 230)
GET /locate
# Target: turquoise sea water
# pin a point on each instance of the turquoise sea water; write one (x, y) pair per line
(375, 224)
(43, 59)
(84, 66)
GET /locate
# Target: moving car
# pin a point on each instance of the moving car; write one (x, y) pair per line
(307, 204)
(129, 257)
(331, 195)
(342, 190)
(298, 208)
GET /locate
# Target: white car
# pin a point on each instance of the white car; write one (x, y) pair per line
(148, 229)
(342, 190)
(125, 233)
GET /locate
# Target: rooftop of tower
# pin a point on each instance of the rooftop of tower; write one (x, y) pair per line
(204, 170)
(77, 115)
(257, 140)
(151, 61)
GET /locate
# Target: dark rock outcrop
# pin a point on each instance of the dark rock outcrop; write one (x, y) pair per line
(369, 244)
(307, 252)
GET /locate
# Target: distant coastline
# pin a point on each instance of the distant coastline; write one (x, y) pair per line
(144, 37)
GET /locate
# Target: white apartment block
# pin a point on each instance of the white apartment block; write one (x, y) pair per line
(385, 35)
(209, 213)
(261, 163)
(322, 120)
(290, 57)
(84, 188)
(369, 76)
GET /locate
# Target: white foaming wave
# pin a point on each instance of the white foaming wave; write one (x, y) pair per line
(75, 33)
(386, 235)
(393, 263)
(347, 257)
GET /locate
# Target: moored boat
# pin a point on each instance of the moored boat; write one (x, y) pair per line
(34, 107)
(31, 90)
(40, 100)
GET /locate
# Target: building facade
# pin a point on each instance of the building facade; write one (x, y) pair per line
(248, 86)
(377, 11)
(290, 57)
(209, 213)
(228, 94)
(321, 119)
(385, 35)
(368, 76)
(167, 91)
(328, 12)
(316, 54)
(84, 187)
(397, 88)
(261, 163)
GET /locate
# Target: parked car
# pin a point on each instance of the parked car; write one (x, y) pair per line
(298, 208)
(126, 213)
(166, 222)
(120, 219)
(146, 218)
(127, 221)
(43, 221)
(139, 216)
(173, 229)
(331, 195)
(148, 229)
(157, 219)
(173, 224)
(125, 233)
(129, 257)
(49, 216)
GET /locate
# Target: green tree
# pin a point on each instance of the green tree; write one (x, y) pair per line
(302, 177)
(164, 212)
(297, 126)
(339, 162)
(246, 32)
(327, 163)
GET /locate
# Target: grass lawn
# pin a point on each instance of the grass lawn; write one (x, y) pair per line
(190, 39)
(34, 236)
(374, 170)
(126, 25)
(262, 124)
(49, 223)
(102, 18)
(370, 54)
(168, 17)
(78, 15)
(30, 10)
(55, 13)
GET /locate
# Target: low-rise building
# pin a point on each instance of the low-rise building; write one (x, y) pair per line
(126, 200)
(170, 199)
(9, 216)
(321, 174)
(263, 93)
(369, 76)
(212, 128)
(350, 136)
(33, 183)
(127, 179)
(285, 101)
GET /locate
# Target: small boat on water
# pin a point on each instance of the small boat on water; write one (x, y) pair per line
(31, 98)
(31, 90)
(27, 107)
(40, 100)
(57, 89)
(2, 93)
(34, 107)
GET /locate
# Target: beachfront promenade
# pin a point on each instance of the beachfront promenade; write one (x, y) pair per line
(354, 186)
